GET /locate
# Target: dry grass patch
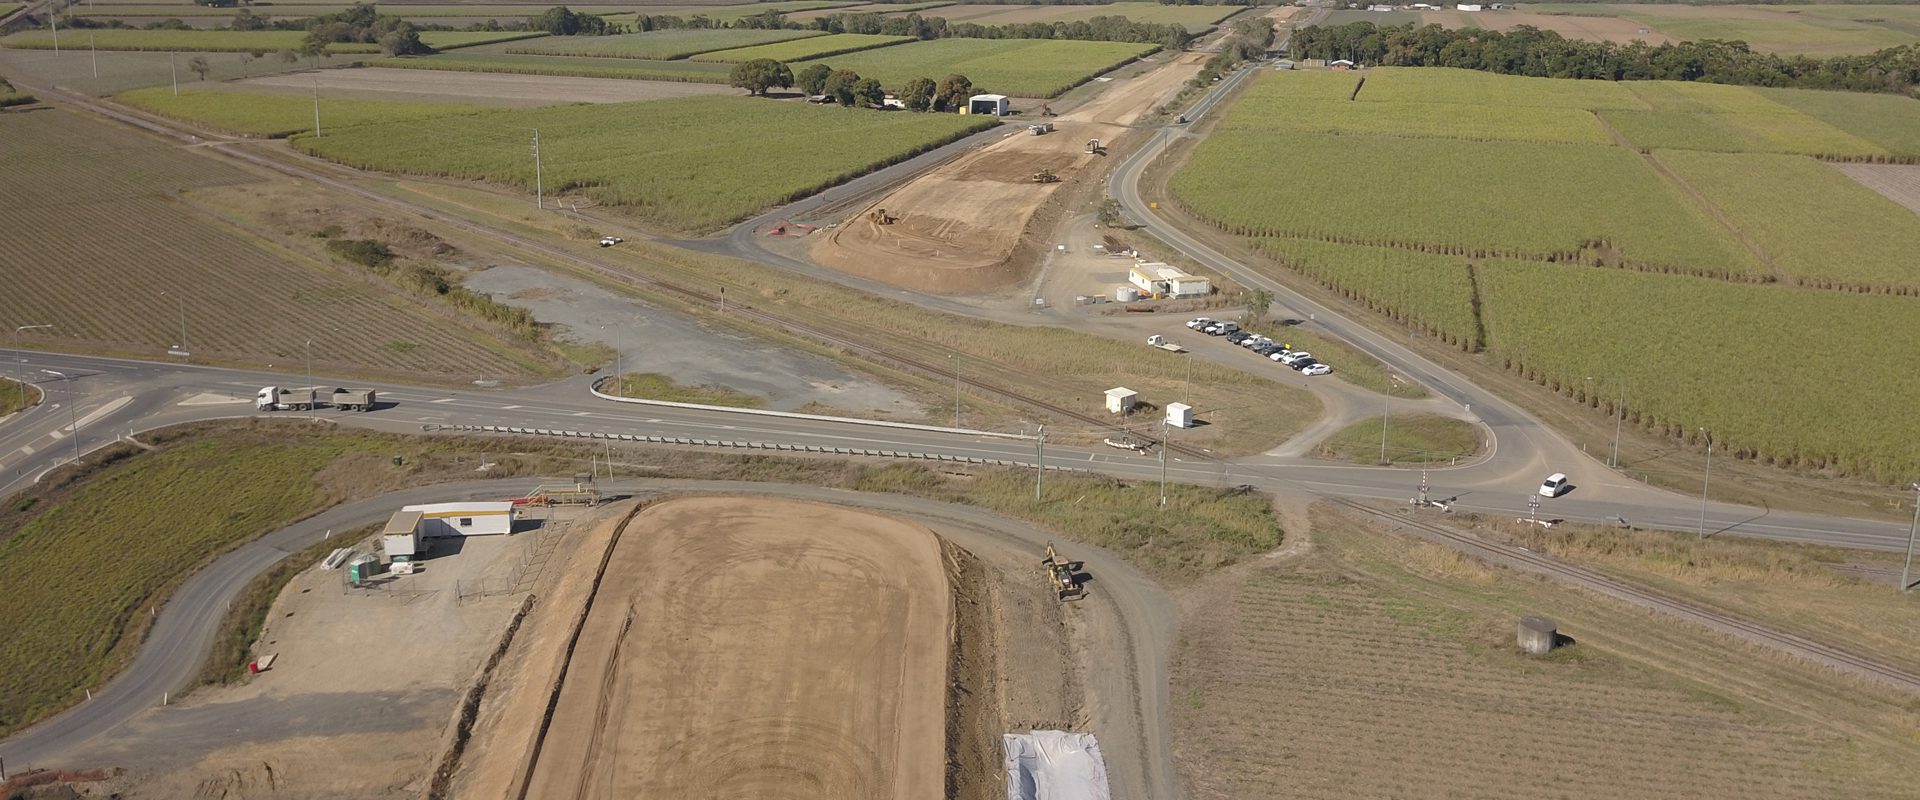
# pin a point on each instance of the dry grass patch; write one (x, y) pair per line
(1410, 439)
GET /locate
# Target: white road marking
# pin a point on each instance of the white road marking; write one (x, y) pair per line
(27, 449)
(442, 400)
(582, 413)
(509, 408)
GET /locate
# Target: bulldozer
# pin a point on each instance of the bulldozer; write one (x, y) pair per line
(1061, 571)
(881, 217)
(1045, 176)
(1046, 111)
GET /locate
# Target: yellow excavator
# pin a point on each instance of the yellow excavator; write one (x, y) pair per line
(1045, 176)
(1061, 571)
(881, 217)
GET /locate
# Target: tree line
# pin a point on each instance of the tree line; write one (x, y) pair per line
(846, 87)
(1526, 50)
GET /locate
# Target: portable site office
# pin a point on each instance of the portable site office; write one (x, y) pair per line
(464, 519)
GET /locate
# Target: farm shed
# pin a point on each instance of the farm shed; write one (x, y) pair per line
(1189, 286)
(1467, 7)
(464, 519)
(995, 104)
(1341, 64)
(1120, 399)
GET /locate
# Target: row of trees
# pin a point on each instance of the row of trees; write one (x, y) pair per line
(1526, 50)
(1096, 29)
(849, 89)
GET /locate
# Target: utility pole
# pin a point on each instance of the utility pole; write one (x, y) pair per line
(1163, 463)
(183, 349)
(1708, 481)
(19, 371)
(539, 192)
(53, 18)
(93, 52)
(1040, 466)
(1386, 406)
(1619, 416)
(956, 389)
(171, 64)
(1187, 396)
(316, 106)
(1906, 584)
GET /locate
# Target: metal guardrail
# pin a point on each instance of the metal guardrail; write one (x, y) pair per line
(790, 448)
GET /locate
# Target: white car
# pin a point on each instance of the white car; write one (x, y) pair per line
(1199, 322)
(609, 241)
(1292, 357)
(1555, 485)
(1317, 369)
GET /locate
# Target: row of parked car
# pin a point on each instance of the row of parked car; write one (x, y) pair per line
(1285, 354)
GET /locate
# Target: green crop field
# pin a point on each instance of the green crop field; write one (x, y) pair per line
(1515, 248)
(233, 41)
(1821, 227)
(804, 49)
(690, 163)
(274, 116)
(104, 236)
(1697, 353)
(1520, 199)
(113, 10)
(628, 68)
(1805, 35)
(729, 13)
(1021, 67)
(8, 8)
(1432, 292)
(655, 45)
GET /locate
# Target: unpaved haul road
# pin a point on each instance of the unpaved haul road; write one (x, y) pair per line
(1134, 621)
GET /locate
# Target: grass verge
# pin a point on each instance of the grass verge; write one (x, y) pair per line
(655, 386)
(1410, 439)
(14, 397)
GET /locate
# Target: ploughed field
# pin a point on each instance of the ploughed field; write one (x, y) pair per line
(1669, 239)
(101, 244)
(757, 647)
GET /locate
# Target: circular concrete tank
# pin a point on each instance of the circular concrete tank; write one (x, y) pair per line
(1537, 635)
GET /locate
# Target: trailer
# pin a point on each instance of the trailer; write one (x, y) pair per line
(1161, 342)
(283, 398)
(353, 399)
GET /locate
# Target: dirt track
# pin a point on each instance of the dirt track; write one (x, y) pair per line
(960, 224)
(758, 648)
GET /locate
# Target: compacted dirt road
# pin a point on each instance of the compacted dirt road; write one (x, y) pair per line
(758, 647)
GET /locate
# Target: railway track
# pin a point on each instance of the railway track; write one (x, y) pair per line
(1778, 641)
(681, 292)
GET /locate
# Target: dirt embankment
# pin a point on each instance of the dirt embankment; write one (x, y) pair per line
(959, 226)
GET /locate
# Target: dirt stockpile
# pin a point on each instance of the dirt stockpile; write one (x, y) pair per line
(958, 226)
(757, 647)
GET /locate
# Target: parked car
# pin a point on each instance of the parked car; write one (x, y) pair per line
(1280, 355)
(1303, 363)
(1237, 337)
(1220, 329)
(1253, 341)
(1266, 348)
(1555, 485)
(1316, 369)
(1292, 358)
(609, 241)
(1199, 322)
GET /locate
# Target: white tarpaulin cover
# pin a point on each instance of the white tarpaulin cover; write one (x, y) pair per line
(1055, 765)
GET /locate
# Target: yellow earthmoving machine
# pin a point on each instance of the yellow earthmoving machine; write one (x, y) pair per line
(1061, 571)
(881, 217)
(1045, 176)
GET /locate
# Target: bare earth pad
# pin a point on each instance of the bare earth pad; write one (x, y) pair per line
(757, 648)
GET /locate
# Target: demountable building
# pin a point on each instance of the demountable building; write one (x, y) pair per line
(1120, 400)
(464, 519)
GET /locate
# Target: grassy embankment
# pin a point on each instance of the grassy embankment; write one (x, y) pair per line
(1413, 651)
(1410, 439)
(1251, 413)
(1678, 284)
(90, 551)
(655, 386)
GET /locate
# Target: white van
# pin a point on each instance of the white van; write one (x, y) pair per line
(1555, 485)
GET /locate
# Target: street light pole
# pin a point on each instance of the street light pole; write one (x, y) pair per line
(19, 371)
(1039, 462)
(956, 389)
(1708, 481)
(1906, 584)
(73, 413)
(1163, 462)
(1619, 416)
(1386, 405)
(312, 404)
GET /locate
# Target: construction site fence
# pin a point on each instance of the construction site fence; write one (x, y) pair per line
(536, 548)
(791, 448)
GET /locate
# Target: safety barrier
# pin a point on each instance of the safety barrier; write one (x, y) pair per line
(792, 448)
